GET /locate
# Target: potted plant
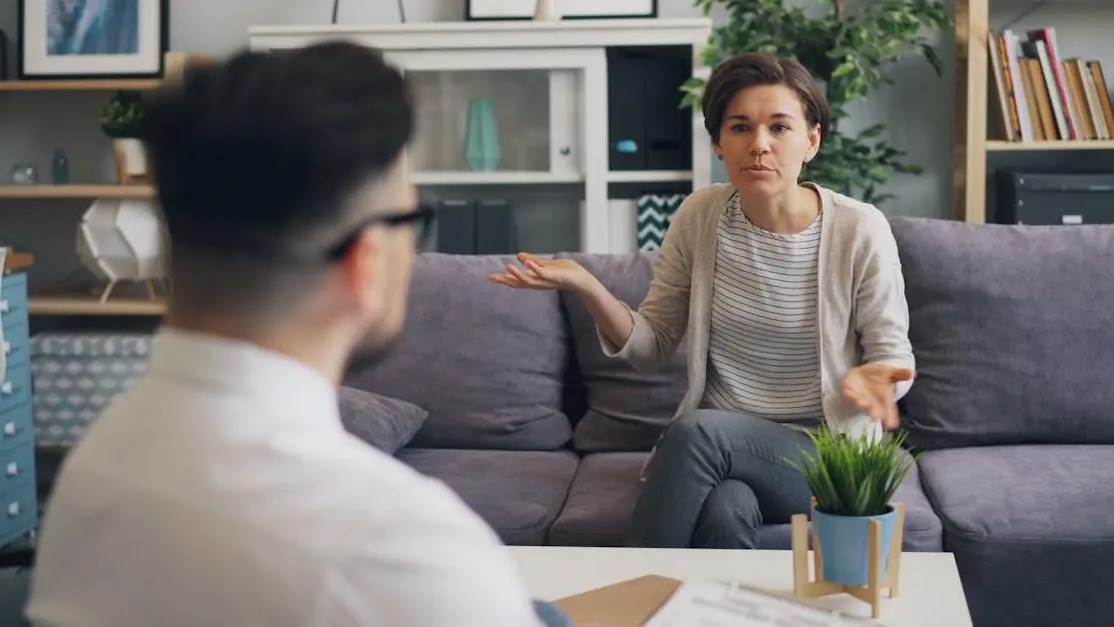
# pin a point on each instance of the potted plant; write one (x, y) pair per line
(850, 49)
(121, 119)
(853, 480)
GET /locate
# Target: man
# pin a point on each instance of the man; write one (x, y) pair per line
(222, 490)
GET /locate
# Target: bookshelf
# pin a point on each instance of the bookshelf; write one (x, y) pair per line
(1085, 124)
(84, 304)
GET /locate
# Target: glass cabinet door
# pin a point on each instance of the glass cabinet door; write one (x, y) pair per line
(481, 125)
(497, 146)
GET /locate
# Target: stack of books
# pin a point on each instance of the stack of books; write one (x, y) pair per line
(1037, 95)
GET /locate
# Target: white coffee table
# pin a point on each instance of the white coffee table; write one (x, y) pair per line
(930, 593)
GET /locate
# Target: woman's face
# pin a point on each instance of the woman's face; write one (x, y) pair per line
(765, 140)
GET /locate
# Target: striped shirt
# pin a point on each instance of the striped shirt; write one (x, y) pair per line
(763, 355)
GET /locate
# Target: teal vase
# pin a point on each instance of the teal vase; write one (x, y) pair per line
(481, 139)
(845, 545)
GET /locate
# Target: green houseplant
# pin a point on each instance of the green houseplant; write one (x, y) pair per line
(853, 480)
(121, 119)
(122, 115)
(849, 48)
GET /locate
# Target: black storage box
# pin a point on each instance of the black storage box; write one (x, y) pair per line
(1054, 198)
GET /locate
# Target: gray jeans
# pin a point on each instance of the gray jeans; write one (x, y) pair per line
(716, 478)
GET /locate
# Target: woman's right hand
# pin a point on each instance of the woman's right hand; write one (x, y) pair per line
(548, 274)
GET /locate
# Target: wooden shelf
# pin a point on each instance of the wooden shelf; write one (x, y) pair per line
(80, 85)
(493, 178)
(76, 191)
(648, 176)
(91, 306)
(1093, 144)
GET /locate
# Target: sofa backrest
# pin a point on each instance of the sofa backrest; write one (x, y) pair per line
(486, 361)
(1013, 331)
(625, 410)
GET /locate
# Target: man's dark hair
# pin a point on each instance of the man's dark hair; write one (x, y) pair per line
(753, 68)
(255, 159)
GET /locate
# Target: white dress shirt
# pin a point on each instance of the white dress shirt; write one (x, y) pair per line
(223, 491)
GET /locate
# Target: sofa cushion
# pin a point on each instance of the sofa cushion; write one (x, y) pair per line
(1032, 530)
(1011, 327)
(15, 586)
(486, 361)
(385, 423)
(601, 500)
(627, 410)
(518, 493)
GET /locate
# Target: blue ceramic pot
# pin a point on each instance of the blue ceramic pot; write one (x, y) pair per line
(844, 544)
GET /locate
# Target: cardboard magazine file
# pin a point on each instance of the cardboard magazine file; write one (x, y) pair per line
(628, 603)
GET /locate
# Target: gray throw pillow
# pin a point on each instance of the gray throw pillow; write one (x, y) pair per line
(388, 424)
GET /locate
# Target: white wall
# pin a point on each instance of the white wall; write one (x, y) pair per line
(919, 109)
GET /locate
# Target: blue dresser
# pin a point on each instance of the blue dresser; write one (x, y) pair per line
(18, 501)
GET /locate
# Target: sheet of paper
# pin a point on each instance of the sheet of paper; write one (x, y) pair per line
(707, 603)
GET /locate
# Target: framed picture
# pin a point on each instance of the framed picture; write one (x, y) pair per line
(569, 9)
(92, 39)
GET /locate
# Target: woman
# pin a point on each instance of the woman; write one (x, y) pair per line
(794, 304)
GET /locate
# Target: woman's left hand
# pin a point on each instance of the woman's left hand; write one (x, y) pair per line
(870, 387)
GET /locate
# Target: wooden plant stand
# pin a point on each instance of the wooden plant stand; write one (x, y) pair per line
(871, 593)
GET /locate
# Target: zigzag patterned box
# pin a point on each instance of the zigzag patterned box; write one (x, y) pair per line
(75, 375)
(655, 213)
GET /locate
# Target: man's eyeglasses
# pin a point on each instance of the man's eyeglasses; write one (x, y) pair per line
(421, 219)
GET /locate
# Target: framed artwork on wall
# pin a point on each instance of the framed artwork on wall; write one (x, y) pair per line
(91, 39)
(569, 9)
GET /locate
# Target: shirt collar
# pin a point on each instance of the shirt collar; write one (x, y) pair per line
(277, 382)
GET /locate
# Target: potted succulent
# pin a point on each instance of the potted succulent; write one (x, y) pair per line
(121, 119)
(853, 480)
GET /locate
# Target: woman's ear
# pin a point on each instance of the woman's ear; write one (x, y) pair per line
(814, 135)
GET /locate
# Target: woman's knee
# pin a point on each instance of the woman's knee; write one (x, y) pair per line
(731, 503)
(730, 518)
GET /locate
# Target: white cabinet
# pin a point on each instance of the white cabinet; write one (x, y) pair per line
(535, 100)
(521, 104)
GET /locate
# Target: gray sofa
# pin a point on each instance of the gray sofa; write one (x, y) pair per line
(543, 436)
(1013, 410)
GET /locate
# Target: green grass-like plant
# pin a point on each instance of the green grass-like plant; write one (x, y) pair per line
(853, 476)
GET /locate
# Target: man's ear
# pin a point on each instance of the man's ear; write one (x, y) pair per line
(360, 265)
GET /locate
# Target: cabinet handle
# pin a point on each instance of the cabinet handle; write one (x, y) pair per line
(13, 509)
(13, 469)
(6, 388)
(4, 306)
(9, 428)
(7, 347)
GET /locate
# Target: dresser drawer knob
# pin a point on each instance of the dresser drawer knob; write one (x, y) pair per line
(6, 388)
(9, 428)
(13, 509)
(7, 347)
(4, 306)
(13, 469)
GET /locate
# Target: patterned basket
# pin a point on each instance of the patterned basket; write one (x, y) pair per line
(75, 375)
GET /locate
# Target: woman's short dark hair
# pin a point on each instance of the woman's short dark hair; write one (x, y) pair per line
(754, 68)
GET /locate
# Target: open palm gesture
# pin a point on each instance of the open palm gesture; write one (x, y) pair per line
(870, 388)
(538, 274)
